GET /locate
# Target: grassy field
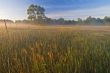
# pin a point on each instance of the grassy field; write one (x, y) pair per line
(55, 49)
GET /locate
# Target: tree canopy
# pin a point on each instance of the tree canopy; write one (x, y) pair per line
(35, 12)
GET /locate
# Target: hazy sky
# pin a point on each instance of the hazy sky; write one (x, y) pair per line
(16, 9)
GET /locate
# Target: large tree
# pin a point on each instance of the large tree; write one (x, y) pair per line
(36, 12)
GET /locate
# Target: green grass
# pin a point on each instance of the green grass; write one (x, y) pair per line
(54, 51)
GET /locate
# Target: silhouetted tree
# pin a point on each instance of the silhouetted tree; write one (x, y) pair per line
(36, 12)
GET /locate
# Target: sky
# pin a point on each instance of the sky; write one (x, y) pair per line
(68, 9)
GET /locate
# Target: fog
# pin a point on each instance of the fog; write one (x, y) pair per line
(53, 27)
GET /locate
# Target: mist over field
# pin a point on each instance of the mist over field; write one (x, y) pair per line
(55, 27)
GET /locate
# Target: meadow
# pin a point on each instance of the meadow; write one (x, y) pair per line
(55, 49)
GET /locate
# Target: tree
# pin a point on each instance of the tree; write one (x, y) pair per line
(31, 11)
(107, 19)
(36, 12)
(61, 21)
(40, 12)
(91, 20)
(80, 20)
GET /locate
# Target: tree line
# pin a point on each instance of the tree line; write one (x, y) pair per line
(36, 15)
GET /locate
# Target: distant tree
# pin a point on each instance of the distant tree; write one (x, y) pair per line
(6, 20)
(69, 22)
(80, 20)
(49, 21)
(94, 21)
(61, 20)
(91, 20)
(100, 21)
(107, 19)
(36, 12)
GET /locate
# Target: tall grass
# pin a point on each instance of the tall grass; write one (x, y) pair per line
(54, 51)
